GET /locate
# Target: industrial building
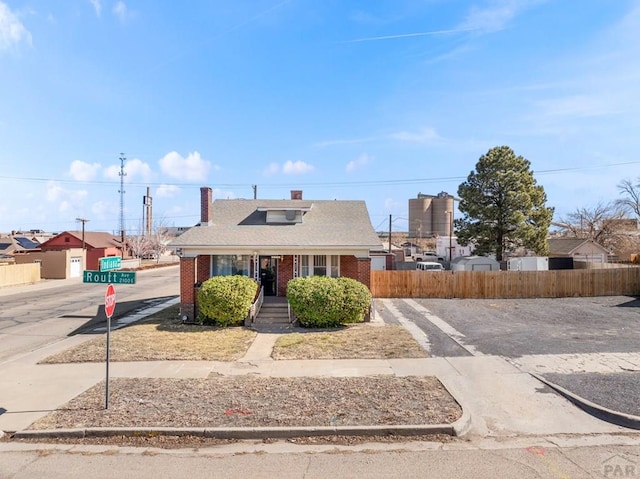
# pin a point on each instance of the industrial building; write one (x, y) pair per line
(431, 215)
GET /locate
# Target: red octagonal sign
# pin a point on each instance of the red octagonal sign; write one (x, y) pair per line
(110, 301)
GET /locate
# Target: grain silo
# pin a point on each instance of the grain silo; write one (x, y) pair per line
(420, 216)
(430, 215)
(442, 212)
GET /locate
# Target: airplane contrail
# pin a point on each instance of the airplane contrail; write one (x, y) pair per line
(407, 35)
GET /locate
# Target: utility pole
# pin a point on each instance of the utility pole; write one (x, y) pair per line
(84, 255)
(83, 221)
(122, 174)
(389, 234)
(255, 191)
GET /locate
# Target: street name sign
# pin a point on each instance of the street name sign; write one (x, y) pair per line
(106, 277)
(109, 263)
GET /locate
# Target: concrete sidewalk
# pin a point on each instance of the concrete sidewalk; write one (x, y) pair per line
(499, 400)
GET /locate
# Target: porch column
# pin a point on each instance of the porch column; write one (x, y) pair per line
(364, 271)
(187, 288)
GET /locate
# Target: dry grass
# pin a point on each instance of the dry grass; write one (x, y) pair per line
(162, 337)
(363, 341)
(251, 401)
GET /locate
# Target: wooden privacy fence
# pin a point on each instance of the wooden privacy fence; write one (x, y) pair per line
(505, 284)
(16, 274)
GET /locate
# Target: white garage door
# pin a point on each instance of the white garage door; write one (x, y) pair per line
(76, 267)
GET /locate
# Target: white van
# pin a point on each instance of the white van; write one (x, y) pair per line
(429, 266)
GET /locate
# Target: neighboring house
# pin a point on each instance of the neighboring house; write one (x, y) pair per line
(274, 241)
(62, 256)
(578, 249)
(12, 244)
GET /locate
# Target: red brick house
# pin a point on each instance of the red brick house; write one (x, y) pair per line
(274, 241)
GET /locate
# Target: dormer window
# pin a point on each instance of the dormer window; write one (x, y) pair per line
(284, 215)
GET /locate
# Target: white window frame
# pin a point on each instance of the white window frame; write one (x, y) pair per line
(307, 265)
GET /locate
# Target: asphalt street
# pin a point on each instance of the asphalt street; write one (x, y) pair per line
(590, 346)
(34, 315)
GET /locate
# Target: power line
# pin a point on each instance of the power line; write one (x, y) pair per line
(397, 181)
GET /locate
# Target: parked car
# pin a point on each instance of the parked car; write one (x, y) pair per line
(427, 256)
(429, 266)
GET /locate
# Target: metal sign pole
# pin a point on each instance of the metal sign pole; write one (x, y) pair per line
(109, 309)
(106, 393)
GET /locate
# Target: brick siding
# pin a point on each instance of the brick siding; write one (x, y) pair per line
(187, 290)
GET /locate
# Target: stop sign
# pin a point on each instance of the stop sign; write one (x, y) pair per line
(110, 301)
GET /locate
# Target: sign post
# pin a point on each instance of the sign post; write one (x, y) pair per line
(109, 308)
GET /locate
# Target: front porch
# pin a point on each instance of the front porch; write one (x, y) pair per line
(271, 272)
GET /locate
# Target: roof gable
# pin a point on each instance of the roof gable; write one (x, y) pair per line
(568, 246)
(92, 239)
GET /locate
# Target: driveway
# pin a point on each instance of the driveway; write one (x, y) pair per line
(590, 346)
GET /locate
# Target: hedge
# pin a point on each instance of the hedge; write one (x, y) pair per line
(226, 300)
(324, 302)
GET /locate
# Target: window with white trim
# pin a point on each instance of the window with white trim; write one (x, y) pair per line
(319, 265)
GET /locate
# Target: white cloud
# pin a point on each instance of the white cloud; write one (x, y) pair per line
(191, 168)
(12, 31)
(133, 169)
(167, 191)
(67, 200)
(218, 193)
(361, 161)
(97, 6)
(81, 171)
(121, 11)
(272, 169)
(103, 209)
(426, 135)
(296, 168)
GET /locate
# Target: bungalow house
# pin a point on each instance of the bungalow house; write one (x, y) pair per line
(579, 249)
(274, 241)
(67, 254)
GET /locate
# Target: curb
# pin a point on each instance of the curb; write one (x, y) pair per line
(609, 415)
(245, 433)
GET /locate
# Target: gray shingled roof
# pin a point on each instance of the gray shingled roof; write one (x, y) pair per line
(329, 224)
(568, 245)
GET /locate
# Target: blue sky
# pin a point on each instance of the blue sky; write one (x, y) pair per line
(362, 99)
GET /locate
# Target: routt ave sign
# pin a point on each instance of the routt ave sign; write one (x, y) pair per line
(110, 301)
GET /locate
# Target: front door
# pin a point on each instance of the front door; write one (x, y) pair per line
(269, 275)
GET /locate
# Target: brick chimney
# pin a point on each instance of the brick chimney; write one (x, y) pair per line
(206, 206)
(296, 194)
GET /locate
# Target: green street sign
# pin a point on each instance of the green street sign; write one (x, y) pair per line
(110, 263)
(106, 277)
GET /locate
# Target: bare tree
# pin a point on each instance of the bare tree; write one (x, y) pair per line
(139, 246)
(601, 223)
(159, 239)
(631, 196)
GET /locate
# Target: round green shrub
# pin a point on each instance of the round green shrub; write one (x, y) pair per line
(356, 300)
(324, 302)
(226, 300)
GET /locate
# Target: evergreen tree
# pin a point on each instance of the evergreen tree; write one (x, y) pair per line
(502, 206)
